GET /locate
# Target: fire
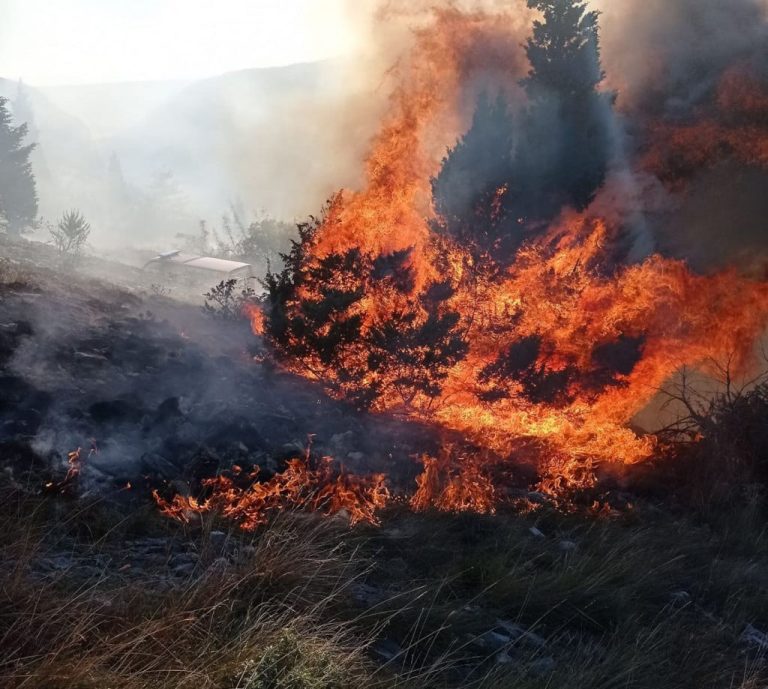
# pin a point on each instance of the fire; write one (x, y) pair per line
(445, 486)
(391, 214)
(544, 359)
(75, 463)
(304, 484)
(256, 316)
(732, 125)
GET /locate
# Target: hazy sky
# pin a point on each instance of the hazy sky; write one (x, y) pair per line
(47, 42)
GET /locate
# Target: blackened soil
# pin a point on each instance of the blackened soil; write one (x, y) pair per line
(155, 391)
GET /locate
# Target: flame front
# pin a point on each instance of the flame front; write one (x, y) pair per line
(249, 503)
(562, 292)
(544, 359)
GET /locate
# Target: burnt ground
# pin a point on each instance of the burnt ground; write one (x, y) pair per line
(162, 391)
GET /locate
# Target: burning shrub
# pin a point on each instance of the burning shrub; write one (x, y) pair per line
(509, 316)
(542, 381)
(352, 320)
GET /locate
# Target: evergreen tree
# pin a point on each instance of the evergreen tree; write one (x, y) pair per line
(24, 113)
(567, 144)
(18, 193)
(71, 233)
(495, 188)
(477, 168)
(314, 315)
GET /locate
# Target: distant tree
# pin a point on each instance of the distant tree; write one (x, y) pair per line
(23, 112)
(567, 140)
(260, 241)
(18, 193)
(71, 233)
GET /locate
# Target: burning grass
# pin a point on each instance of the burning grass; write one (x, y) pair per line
(303, 484)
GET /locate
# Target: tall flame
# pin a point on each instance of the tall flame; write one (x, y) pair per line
(593, 342)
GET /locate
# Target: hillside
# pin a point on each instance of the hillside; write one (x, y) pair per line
(146, 161)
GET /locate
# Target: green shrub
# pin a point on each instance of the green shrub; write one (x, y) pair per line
(295, 662)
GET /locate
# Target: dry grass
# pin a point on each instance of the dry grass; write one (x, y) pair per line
(229, 627)
(12, 273)
(285, 617)
(652, 600)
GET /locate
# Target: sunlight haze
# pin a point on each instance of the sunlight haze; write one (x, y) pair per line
(100, 41)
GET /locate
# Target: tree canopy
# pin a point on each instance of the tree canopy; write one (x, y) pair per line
(504, 178)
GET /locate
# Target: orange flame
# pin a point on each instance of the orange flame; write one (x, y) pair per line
(732, 126)
(561, 292)
(256, 316)
(299, 486)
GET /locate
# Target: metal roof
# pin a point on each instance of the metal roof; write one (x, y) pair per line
(218, 265)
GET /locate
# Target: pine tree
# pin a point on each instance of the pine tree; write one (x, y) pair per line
(499, 183)
(18, 193)
(567, 143)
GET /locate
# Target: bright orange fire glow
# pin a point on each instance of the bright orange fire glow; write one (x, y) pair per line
(452, 486)
(562, 293)
(249, 503)
(732, 126)
(256, 316)
(558, 290)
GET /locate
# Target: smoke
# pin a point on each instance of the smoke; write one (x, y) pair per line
(666, 61)
(281, 141)
(668, 56)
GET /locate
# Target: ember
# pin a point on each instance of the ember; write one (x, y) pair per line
(75, 462)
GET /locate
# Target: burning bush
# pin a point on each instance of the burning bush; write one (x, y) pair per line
(506, 316)
(317, 317)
